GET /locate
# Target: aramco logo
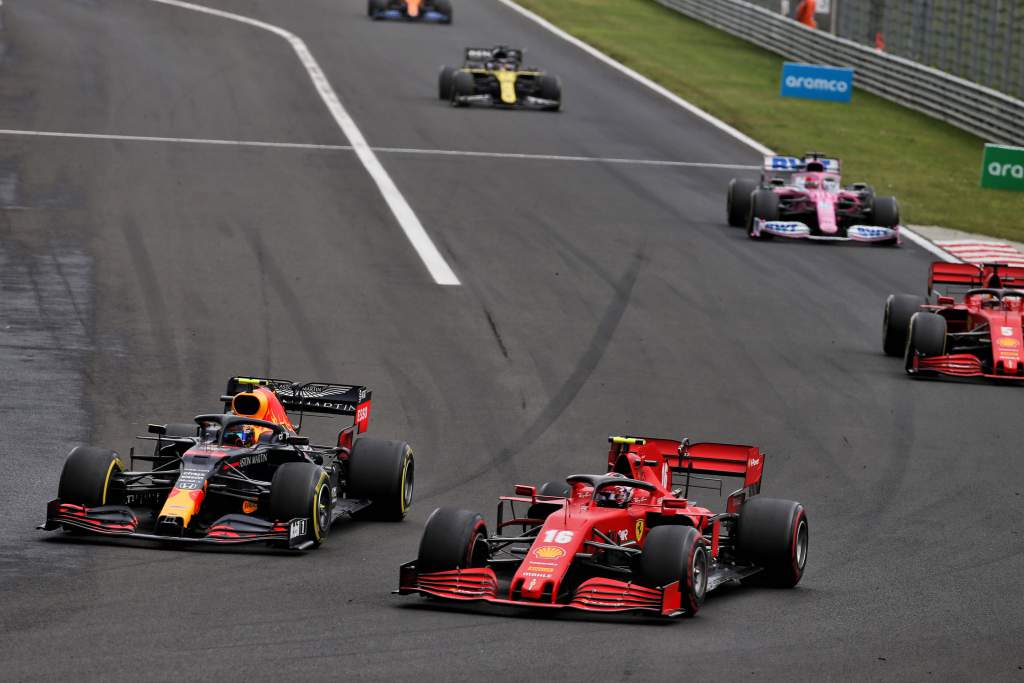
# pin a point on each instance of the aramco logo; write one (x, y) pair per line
(1006, 170)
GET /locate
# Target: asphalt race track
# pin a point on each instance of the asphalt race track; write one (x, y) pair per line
(596, 298)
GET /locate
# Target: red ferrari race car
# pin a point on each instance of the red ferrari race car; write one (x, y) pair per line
(626, 540)
(428, 11)
(969, 326)
(242, 476)
(804, 199)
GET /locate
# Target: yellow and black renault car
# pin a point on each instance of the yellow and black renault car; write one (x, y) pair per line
(496, 77)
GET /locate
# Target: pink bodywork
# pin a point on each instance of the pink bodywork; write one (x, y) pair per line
(826, 200)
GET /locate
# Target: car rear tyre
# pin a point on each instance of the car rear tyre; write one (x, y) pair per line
(773, 534)
(926, 337)
(383, 472)
(885, 212)
(550, 88)
(899, 308)
(445, 8)
(302, 489)
(375, 6)
(89, 475)
(764, 204)
(677, 553)
(738, 199)
(453, 539)
(444, 83)
(463, 85)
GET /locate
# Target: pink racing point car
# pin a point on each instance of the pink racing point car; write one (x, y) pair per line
(804, 199)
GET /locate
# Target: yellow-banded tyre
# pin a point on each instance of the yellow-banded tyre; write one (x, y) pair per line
(302, 489)
(383, 473)
(90, 477)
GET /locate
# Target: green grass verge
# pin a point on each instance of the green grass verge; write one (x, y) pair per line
(931, 167)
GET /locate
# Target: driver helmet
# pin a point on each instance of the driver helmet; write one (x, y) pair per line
(242, 435)
(811, 183)
(614, 496)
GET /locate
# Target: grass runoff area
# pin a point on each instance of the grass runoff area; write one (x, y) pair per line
(932, 168)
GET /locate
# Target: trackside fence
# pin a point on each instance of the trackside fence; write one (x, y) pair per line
(992, 115)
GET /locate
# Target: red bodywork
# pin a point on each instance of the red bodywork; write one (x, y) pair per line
(984, 335)
(552, 571)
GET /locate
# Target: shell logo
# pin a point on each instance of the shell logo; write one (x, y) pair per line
(1007, 342)
(549, 552)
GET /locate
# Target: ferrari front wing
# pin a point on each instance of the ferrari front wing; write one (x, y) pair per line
(593, 595)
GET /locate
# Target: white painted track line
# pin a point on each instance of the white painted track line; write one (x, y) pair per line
(692, 108)
(379, 150)
(414, 230)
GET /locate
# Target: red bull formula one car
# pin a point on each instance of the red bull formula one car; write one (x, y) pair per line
(242, 476)
(969, 326)
(429, 11)
(627, 540)
(804, 199)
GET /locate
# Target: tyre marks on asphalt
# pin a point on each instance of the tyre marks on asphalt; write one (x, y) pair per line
(586, 364)
(45, 313)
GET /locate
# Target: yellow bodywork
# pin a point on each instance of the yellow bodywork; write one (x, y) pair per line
(506, 81)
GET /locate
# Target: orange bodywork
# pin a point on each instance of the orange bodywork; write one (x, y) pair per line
(183, 503)
(412, 7)
(262, 404)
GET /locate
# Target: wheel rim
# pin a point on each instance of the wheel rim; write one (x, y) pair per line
(478, 551)
(323, 510)
(407, 484)
(801, 545)
(699, 572)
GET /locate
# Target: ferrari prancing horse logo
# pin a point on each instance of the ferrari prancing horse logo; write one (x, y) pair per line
(639, 529)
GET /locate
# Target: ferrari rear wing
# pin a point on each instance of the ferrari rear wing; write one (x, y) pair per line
(308, 397)
(696, 461)
(949, 279)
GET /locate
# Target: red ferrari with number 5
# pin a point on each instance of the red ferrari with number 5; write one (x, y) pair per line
(627, 540)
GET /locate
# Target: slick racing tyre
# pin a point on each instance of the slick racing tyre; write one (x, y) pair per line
(885, 212)
(550, 88)
(463, 85)
(677, 553)
(445, 86)
(737, 201)
(373, 7)
(764, 204)
(381, 471)
(445, 8)
(773, 534)
(302, 489)
(453, 539)
(927, 337)
(89, 476)
(899, 308)
(548, 488)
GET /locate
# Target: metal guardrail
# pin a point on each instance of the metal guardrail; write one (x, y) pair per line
(992, 115)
